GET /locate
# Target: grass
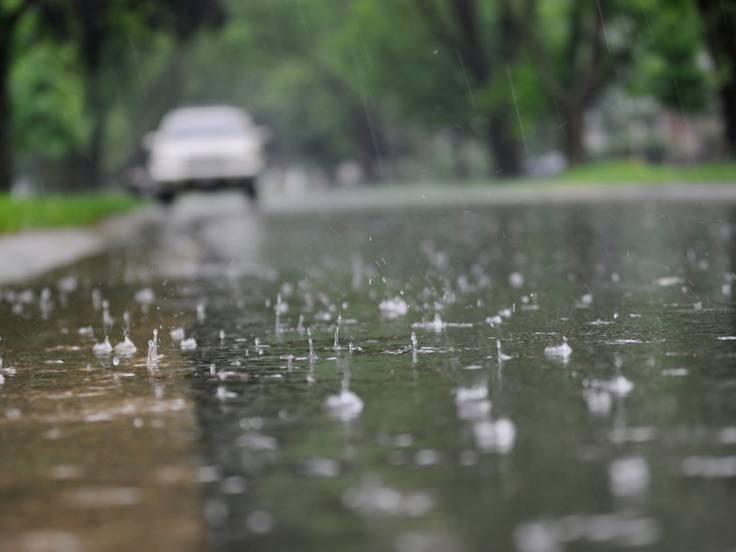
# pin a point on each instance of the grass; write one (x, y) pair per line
(621, 172)
(57, 210)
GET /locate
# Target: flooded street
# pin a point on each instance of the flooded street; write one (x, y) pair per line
(524, 377)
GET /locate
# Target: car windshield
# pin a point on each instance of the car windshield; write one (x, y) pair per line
(203, 123)
(198, 129)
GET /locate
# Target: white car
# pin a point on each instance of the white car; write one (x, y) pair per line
(201, 148)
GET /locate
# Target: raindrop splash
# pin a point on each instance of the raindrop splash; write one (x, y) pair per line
(152, 360)
(559, 352)
(102, 349)
(312, 354)
(336, 345)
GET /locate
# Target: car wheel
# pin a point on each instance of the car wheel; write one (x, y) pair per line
(166, 198)
(251, 190)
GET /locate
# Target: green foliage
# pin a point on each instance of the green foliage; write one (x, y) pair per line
(49, 103)
(341, 79)
(54, 211)
(668, 56)
(635, 172)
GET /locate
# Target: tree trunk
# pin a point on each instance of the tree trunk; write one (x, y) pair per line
(370, 144)
(95, 145)
(6, 154)
(719, 23)
(573, 135)
(459, 161)
(92, 41)
(504, 147)
(727, 95)
(95, 148)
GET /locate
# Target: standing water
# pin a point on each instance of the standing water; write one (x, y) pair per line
(573, 389)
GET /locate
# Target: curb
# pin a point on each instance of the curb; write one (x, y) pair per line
(33, 252)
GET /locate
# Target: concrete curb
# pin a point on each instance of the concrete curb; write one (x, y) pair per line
(501, 195)
(31, 253)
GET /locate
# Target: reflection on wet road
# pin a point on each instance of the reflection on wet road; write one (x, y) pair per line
(513, 378)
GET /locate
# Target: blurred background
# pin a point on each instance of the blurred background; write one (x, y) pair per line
(374, 91)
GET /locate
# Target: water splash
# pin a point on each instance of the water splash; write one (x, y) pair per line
(107, 320)
(495, 436)
(598, 402)
(494, 320)
(278, 309)
(373, 497)
(45, 305)
(144, 296)
(312, 354)
(618, 385)
(153, 358)
(344, 405)
(559, 352)
(281, 307)
(437, 324)
(188, 344)
(500, 356)
(126, 348)
(393, 307)
(620, 529)
(336, 344)
(102, 349)
(491, 435)
(628, 476)
(177, 334)
(516, 279)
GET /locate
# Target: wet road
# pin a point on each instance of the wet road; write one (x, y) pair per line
(527, 378)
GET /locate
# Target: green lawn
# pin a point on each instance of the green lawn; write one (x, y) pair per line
(620, 172)
(57, 210)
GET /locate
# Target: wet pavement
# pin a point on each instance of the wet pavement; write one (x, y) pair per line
(519, 377)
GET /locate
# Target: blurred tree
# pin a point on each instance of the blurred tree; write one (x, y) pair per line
(50, 124)
(487, 39)
(719, 22)
(667, 57)
(580, 47)
(99, 30)
(11, 15)
(344, 79)
(285, 62)
(396, 63)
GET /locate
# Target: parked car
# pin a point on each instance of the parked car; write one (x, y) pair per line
(204, 148)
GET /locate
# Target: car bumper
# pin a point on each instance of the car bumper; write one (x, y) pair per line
(204, 170)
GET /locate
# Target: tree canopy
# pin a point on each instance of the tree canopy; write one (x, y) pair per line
(375, 81)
